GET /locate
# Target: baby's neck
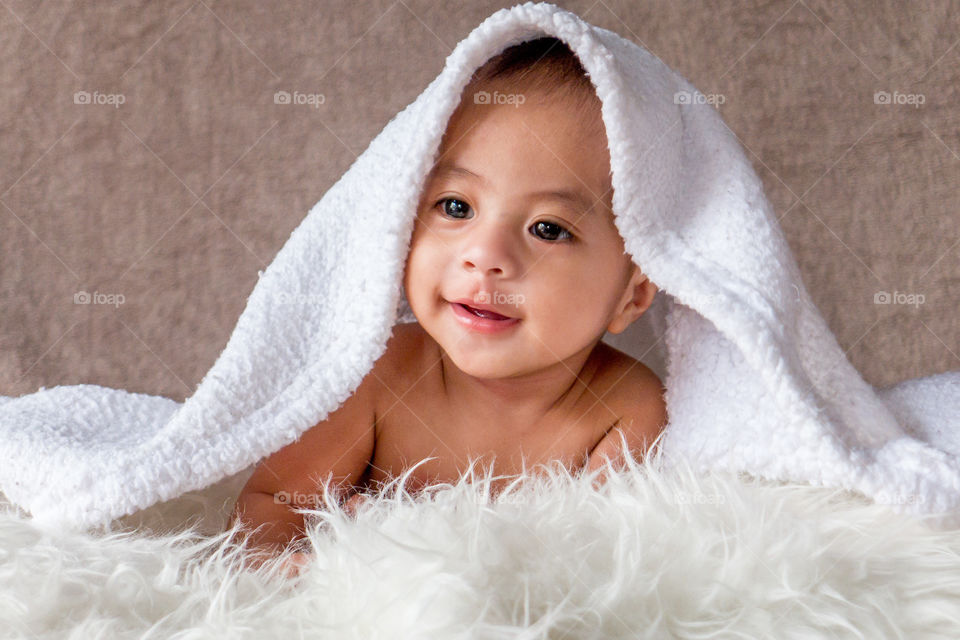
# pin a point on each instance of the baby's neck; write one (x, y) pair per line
(522, 401)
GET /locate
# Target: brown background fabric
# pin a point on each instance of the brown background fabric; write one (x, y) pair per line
(177, 197)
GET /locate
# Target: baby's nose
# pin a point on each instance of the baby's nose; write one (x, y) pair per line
(490, 251)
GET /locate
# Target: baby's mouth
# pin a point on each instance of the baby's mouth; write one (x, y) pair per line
(486, 313)
(483, 313)
(481, 321)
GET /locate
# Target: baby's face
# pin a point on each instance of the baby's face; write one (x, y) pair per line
(555, 263)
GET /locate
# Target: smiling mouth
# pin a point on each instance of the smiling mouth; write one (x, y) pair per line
(480, 313)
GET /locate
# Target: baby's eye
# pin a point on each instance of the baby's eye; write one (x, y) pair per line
(553, 231)
(453, 207)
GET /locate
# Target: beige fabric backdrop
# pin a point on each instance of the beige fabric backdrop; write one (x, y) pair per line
(175, 198)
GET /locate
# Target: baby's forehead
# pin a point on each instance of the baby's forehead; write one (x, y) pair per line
(543, 121)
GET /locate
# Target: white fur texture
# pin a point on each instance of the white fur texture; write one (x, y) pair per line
(650, 554)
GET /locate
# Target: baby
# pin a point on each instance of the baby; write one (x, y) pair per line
(514, 273)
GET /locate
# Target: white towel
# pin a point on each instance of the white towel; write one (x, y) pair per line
(756, 381)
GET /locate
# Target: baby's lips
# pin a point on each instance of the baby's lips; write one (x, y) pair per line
(467, 302)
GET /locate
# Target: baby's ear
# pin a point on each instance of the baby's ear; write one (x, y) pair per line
(637, 298)
(643, 291)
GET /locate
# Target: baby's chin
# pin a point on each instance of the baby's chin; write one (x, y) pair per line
(490, 364)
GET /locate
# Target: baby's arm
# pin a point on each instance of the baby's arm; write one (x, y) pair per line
(341, 446)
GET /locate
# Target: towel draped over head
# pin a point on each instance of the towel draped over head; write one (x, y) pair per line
(755, 380)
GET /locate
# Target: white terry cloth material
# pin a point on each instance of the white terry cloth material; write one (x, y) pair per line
(756, 382)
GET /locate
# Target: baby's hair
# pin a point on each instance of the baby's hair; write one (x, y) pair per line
(546, 65)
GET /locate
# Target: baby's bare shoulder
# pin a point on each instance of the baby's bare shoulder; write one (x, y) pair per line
(634, 388)
(637, 396)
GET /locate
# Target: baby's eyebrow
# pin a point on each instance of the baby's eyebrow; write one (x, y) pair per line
(446, 169)
(571, 197)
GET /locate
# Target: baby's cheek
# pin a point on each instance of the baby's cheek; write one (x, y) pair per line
(424, 264)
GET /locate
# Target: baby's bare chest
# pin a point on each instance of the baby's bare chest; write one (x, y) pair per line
(417, 428)
(420, 429)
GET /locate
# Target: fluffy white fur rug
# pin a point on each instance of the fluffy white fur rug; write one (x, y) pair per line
(650, 554)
